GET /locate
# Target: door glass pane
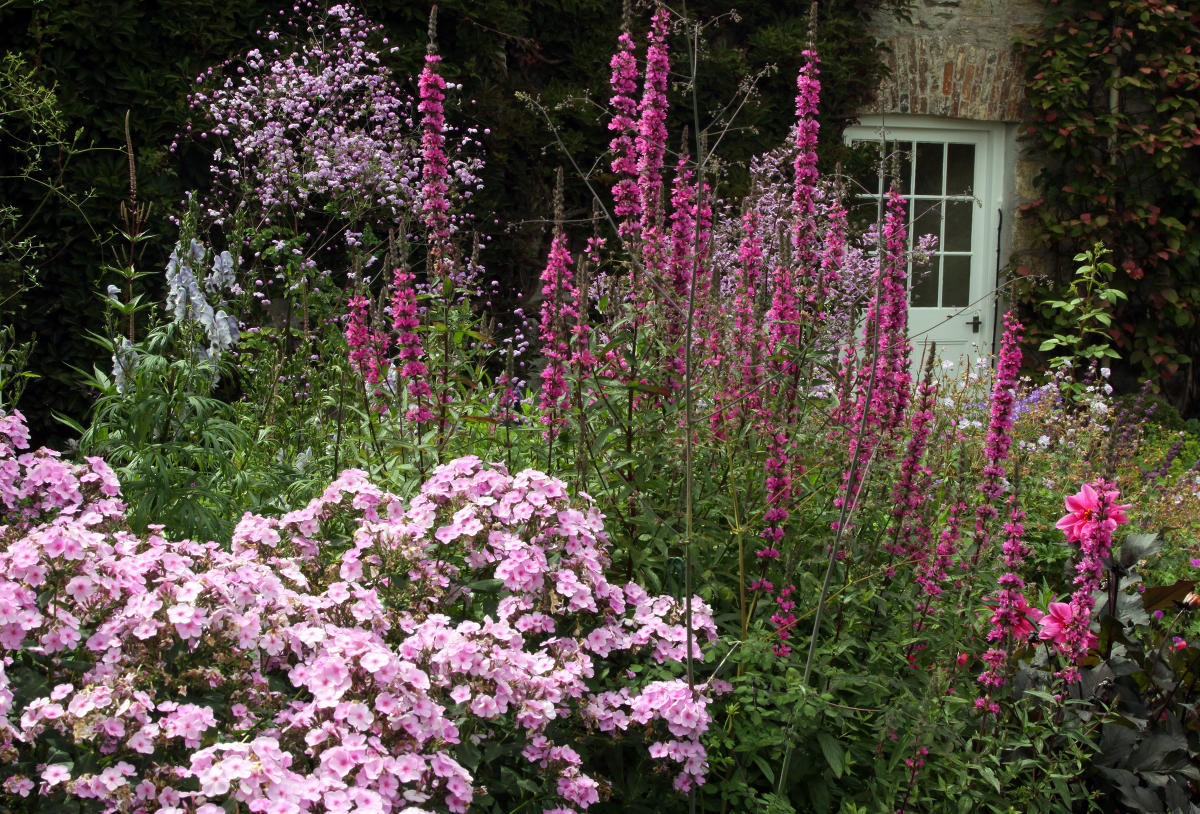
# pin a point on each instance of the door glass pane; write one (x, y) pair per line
(925, 285)
(929, 169)
(866, 178)
(958, 226)
(960, 169)
(903, 151)
(956, 281)
(928, 219)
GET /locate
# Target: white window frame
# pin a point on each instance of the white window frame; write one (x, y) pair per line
(988, 190)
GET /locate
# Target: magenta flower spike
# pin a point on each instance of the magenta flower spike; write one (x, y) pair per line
(651, 145)
(627, 202)
(435, 205)
(1012, 620)
(999, 437)
(405, 324)
(368, 348)
(885, 349)
(909, 532)
(558, 318)
(804, 225)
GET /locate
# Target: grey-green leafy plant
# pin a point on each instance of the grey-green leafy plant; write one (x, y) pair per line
(1087, 309)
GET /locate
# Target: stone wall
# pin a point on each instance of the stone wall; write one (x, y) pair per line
(956, 59)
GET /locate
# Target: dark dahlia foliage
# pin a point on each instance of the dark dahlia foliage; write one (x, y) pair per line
(1113, 89)
(1148, 746)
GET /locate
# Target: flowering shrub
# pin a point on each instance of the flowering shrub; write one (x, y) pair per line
(731, 380)
(344, 655)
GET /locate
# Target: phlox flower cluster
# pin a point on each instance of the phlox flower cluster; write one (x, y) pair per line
(330, 659)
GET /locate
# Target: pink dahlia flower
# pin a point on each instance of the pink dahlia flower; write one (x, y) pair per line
(1082, 511)
(1057, 622)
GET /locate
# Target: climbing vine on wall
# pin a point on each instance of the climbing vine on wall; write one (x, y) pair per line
(1115, 91)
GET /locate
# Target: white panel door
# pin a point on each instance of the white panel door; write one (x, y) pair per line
(951, 175)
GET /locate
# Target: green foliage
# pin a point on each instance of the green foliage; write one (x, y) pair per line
(1084, 315)
(1115, 115)
(37, 148)
(176, 448)
(14, 362)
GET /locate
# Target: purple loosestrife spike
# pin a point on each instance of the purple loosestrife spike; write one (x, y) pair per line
(999, 437)
(833, 253)
(368, 349)
(741, 395)
(909, 532)
(651, 145)
(558, 317)
(885, 341)
(435, 206)
(932, 572)
(627, 202)
(1094, 515)
(691, 223)
(1012, 619)
(804, 225)
(894, 312)
(405, 324)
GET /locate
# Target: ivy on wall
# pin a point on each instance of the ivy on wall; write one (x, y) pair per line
(1114, 87)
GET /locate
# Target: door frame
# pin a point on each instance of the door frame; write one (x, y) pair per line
(989, 189)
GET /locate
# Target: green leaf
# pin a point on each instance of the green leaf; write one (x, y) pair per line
(764, 767)
(832, 750)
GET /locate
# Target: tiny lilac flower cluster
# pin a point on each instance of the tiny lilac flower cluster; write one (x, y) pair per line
(315, 665)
